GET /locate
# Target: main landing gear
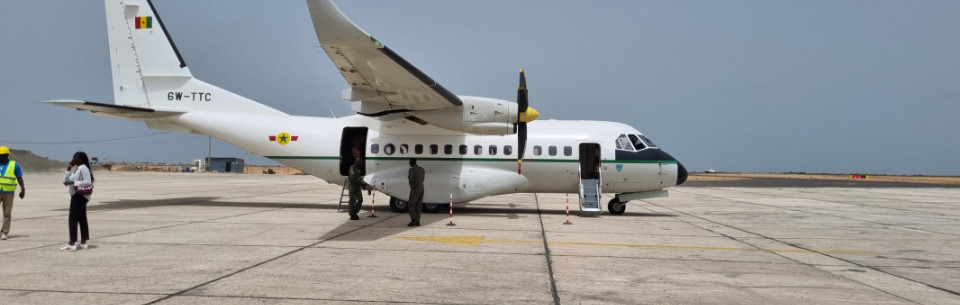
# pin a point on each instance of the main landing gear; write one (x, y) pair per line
(434, 207)
(397, 205)
(401, 206)
(616, 207)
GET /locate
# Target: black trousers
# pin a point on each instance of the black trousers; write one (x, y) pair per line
(78, 215)
(415, 204)
(356, 200)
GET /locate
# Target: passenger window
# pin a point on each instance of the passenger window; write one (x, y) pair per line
(463, 149)
(477, 149)
(552, 150)
(375, 148)
(567, 151)
(448, 149)
(434, 149)
(389, 149)
(418, 149)
(493, 150)
(508, 150)
(404, 149)
(537, 150)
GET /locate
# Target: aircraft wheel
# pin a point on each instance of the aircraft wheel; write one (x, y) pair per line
(434, 207)
(616, 207)
(397, 205)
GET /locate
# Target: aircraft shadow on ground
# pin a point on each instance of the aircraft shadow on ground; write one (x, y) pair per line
(512, 210)
(428, 219)
(197, 201)
(505, 210)
(508, 211)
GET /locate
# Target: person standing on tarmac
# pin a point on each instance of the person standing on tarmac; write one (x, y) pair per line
(355, 184)
(415, 204)
(80, 178)
(10, 176)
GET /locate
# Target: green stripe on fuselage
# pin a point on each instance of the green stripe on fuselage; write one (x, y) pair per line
(465, 159)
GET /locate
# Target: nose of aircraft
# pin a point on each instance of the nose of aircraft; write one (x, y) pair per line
(681, 174)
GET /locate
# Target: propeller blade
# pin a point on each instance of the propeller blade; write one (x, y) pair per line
(521, 145)
(522, 93)
(521, 124)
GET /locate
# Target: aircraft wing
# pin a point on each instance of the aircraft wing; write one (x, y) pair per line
(379, 78)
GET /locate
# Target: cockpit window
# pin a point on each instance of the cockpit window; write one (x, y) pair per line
(647, 140)
(637, 144)
(623, 143)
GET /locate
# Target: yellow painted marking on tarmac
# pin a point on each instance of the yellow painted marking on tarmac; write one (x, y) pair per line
(573, 243)
(477, 240)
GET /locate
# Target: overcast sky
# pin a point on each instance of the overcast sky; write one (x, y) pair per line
(754, 86)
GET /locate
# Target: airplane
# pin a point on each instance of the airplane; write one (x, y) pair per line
(471, 147)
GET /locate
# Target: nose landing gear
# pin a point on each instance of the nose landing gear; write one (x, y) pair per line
(616, 207)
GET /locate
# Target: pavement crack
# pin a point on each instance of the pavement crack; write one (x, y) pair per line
(181, 292)
(825, 214)
(546, 253)
(803, 248)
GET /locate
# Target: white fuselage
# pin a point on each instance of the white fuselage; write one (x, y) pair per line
(551, 162)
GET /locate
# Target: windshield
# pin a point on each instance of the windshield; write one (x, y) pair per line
(646, 140)
(636, 142)
(624, 144)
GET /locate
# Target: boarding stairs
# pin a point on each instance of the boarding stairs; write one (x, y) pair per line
(590, 190)
(344, 195)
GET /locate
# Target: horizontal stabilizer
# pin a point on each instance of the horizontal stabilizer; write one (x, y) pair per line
(121, 111)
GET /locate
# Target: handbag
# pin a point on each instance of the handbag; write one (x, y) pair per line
(85, 190)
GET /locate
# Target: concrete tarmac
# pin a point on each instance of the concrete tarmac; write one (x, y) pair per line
(254, 239)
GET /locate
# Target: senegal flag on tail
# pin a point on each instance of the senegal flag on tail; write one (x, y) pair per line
(144, 22)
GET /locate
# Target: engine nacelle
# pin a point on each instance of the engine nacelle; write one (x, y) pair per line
(477, 115)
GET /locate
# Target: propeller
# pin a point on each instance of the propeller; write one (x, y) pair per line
(525, 114)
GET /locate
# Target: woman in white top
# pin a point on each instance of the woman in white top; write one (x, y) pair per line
(81, 178)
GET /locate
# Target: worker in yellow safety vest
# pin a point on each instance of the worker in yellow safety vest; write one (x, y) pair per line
(10, 176)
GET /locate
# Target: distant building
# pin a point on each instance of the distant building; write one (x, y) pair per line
(225, 165)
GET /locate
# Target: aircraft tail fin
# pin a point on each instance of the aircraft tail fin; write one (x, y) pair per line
(149, 72)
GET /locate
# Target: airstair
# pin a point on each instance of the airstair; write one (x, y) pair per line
(590, 190)
(344, 195)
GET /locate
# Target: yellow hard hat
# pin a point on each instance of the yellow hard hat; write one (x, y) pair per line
(4, 150)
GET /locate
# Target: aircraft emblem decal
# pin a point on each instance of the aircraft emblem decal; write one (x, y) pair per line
(283, 138)
(143, 22)
(619, 167)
